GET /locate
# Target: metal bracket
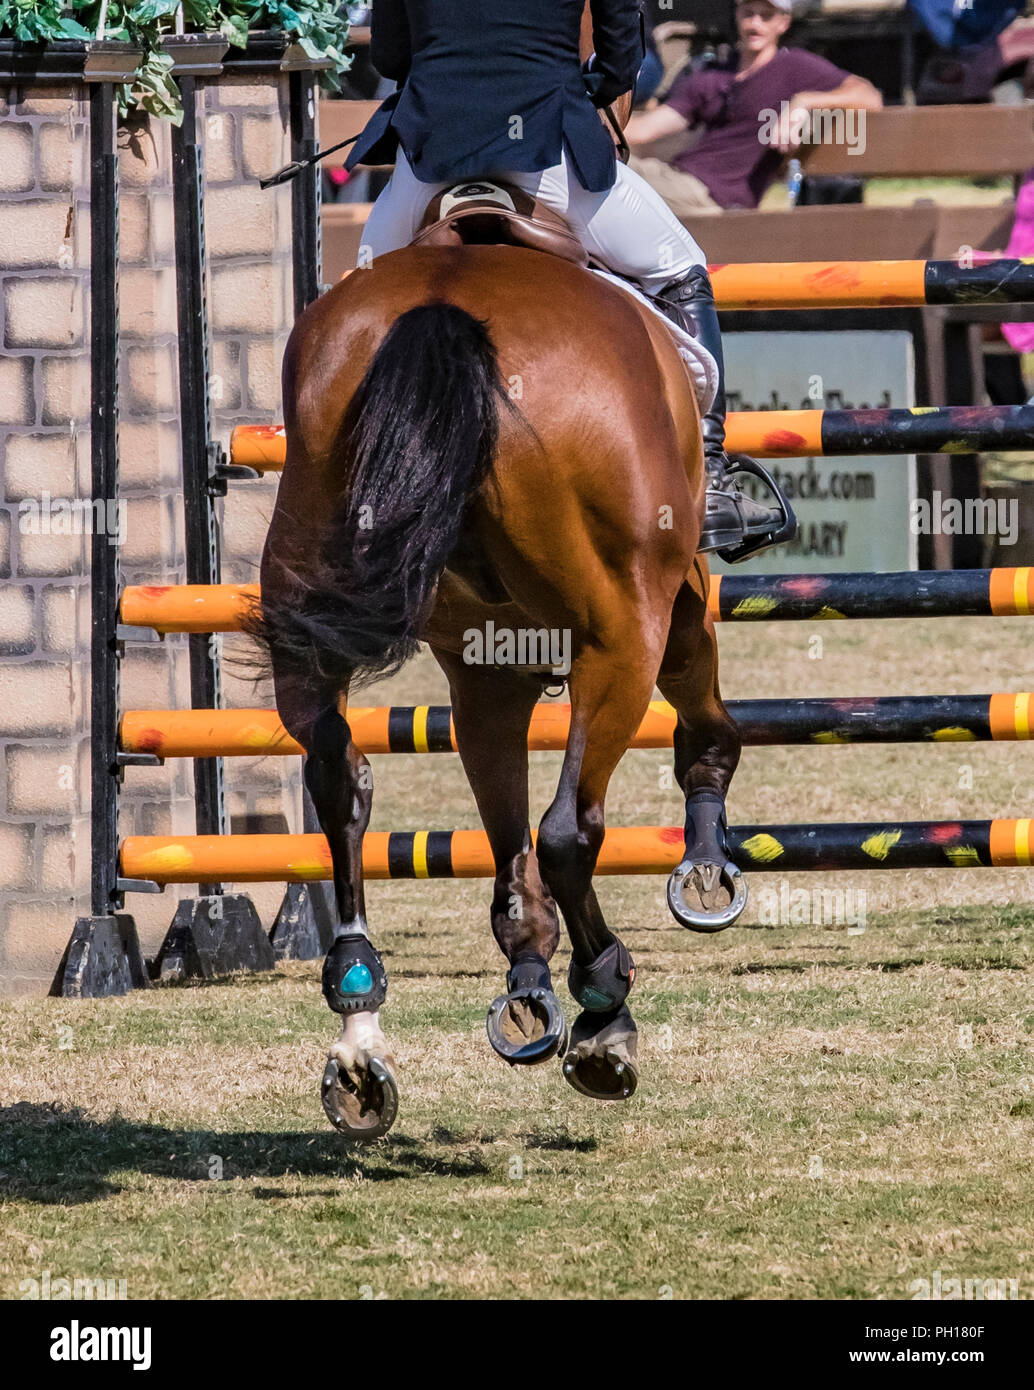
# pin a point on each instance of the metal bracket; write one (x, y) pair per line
(138, 760)
(125, 633)
(138, 885)
(230, 473)
(220, 472)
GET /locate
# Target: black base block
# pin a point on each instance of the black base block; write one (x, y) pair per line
(102, 958)
(213, 936)
(304, 926)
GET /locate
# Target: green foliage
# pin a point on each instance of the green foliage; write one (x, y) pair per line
(319, 26)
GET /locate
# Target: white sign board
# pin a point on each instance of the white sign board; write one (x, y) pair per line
(853, 512)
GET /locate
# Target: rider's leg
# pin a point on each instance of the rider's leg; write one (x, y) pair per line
(628, 227)
(395, 216)
(632, 231)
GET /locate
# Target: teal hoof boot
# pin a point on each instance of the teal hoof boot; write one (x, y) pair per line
(604, 985)
(354, 978)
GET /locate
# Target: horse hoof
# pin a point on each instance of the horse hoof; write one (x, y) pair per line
(706, 897)
(601, 1062)
(361, 1103)
(527, 1026)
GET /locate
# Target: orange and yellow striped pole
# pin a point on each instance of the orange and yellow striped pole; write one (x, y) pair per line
(654, 849)
(733, 598)
(227, 733)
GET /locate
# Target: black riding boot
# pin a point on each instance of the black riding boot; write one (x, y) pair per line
(734, 524)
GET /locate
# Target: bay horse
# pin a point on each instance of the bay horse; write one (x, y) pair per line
(489, 434)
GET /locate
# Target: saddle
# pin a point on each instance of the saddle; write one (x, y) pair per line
(490, 212)
(483, 213)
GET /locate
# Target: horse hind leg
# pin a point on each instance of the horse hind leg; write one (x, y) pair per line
(492, 709)
(359, 1090)
(706, 892)
(607, 702)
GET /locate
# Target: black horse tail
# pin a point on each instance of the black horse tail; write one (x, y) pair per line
(419, 438)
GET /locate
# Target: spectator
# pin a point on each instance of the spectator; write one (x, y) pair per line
(962, 27)
(735, 160)
(978, 47)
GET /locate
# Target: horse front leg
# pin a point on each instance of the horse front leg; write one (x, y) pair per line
(359, 1090)
(707, 891)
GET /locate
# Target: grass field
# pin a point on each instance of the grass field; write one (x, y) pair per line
(822, 1113)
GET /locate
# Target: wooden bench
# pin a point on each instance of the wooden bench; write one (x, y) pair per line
(933, 142)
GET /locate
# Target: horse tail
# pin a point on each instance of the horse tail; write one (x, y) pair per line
(419, 438)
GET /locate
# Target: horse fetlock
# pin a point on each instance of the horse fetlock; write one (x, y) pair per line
(354, 978)
(527, 1025)
(604, 984)
(706, 892)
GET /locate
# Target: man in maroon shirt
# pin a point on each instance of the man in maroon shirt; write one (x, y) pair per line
(751, 114)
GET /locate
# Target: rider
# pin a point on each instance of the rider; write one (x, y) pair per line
(489, 89)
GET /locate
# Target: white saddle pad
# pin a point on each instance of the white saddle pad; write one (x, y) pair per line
(700, 365)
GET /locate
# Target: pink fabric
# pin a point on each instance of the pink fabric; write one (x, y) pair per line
(1020, 336)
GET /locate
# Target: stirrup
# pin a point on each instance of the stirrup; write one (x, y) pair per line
(734, 546)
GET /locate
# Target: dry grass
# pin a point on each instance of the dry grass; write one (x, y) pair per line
(820, 1114)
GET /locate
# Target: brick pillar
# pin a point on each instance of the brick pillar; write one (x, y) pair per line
(45, 467)
(246, 127)
(44, 541)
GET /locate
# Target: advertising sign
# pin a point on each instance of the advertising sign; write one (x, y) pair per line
(853, 512)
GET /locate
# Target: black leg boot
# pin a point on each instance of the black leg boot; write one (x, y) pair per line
(734, 524)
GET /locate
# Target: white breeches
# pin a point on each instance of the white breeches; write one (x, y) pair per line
(628, 227)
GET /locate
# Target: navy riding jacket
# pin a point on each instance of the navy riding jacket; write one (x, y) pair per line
(495, 85)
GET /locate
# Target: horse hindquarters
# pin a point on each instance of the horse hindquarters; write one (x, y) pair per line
(347, 581)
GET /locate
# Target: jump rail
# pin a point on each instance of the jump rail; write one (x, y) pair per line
(997, 593)
(790, 433)
(638, 850)
(870, 284)
(226, 733)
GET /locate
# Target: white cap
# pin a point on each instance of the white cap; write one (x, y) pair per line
(785, 5)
